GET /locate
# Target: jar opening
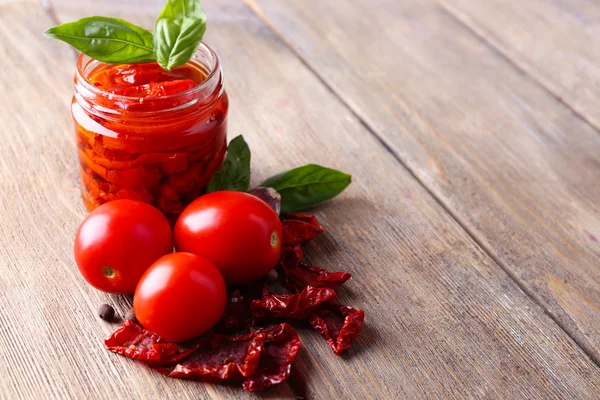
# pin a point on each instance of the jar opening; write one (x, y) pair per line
(205, 59)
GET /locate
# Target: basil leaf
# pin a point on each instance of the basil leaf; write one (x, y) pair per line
(235, 172)
(305, 187)
(109, 40)
(178, 32)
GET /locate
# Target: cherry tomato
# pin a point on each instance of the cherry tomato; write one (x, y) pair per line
(237, 232)
(180, 296)
(118, 241)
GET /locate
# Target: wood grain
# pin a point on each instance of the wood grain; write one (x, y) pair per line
(443, 320)
(554, 41)
(511, 163)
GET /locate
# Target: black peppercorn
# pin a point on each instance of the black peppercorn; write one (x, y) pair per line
(106, 312)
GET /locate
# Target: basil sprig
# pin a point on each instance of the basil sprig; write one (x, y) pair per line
(300, 188)
(305, 187)
(178, 32)
(109, 40)
(235, 172)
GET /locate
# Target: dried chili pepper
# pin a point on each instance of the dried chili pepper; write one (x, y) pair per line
(280, 349)
(338, 324)
(219, 356)
(299, 229)
(302, 275)
(238, 314)
(308, 218)
(298, 306)
(261, 358)
(291, 256)
(133, 341)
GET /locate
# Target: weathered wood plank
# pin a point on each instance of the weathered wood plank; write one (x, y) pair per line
(510, 162)
(554, 41)
(443, 320)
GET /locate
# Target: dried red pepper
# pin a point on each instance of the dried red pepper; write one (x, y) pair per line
(261, 358)
(238, 314)
(302, 275)
(299, 228)
(338, 324)
(219, 356)
(298, 306)
(291, 255)
(281, 347)
(133, 341)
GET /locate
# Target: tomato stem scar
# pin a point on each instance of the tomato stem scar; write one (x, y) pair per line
(108, 272)
(274, 239)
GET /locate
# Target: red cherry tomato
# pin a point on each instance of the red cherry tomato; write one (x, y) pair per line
(180, 296)
(118, 241)
(237, 232)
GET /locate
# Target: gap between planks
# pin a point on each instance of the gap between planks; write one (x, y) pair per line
(573, 334)
(497, 49)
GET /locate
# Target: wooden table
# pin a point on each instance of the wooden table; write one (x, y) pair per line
(472, 227)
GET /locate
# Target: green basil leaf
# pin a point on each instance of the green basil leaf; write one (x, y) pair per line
(305, 187)
(235, 172)
(109, 40)
(178, 32)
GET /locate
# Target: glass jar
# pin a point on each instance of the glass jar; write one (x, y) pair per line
(159, 148)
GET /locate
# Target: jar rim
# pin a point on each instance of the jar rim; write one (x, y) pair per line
(84, 60)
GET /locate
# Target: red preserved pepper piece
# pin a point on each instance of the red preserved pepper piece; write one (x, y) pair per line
(280, 349)
(302, 275)
(133, 341)
(308, 218)
(238, 312)
(298, 306)
(300, 228)
(169, 163)
(128, 75)
(291, 255)
(135, 194)
(219, 356)
(156, 89)
(338, 324)
(137, 177)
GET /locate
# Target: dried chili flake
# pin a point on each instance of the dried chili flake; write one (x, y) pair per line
(338, 324)
(303, 275)
(219, 356)
(299, 229)
(298, 306)
(280, 349)
(133, 341)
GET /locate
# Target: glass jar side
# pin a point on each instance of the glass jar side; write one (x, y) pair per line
(164, 157)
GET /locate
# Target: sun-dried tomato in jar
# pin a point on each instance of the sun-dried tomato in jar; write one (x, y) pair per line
(149, 134)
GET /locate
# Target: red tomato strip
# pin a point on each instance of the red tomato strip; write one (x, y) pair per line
(156, 89)
(338, 324)
(299, 231)
(302, 275)
(133, 341)
(297, 306)
(238, 314)
(219, 356)
(281, 347)
(261, 358)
